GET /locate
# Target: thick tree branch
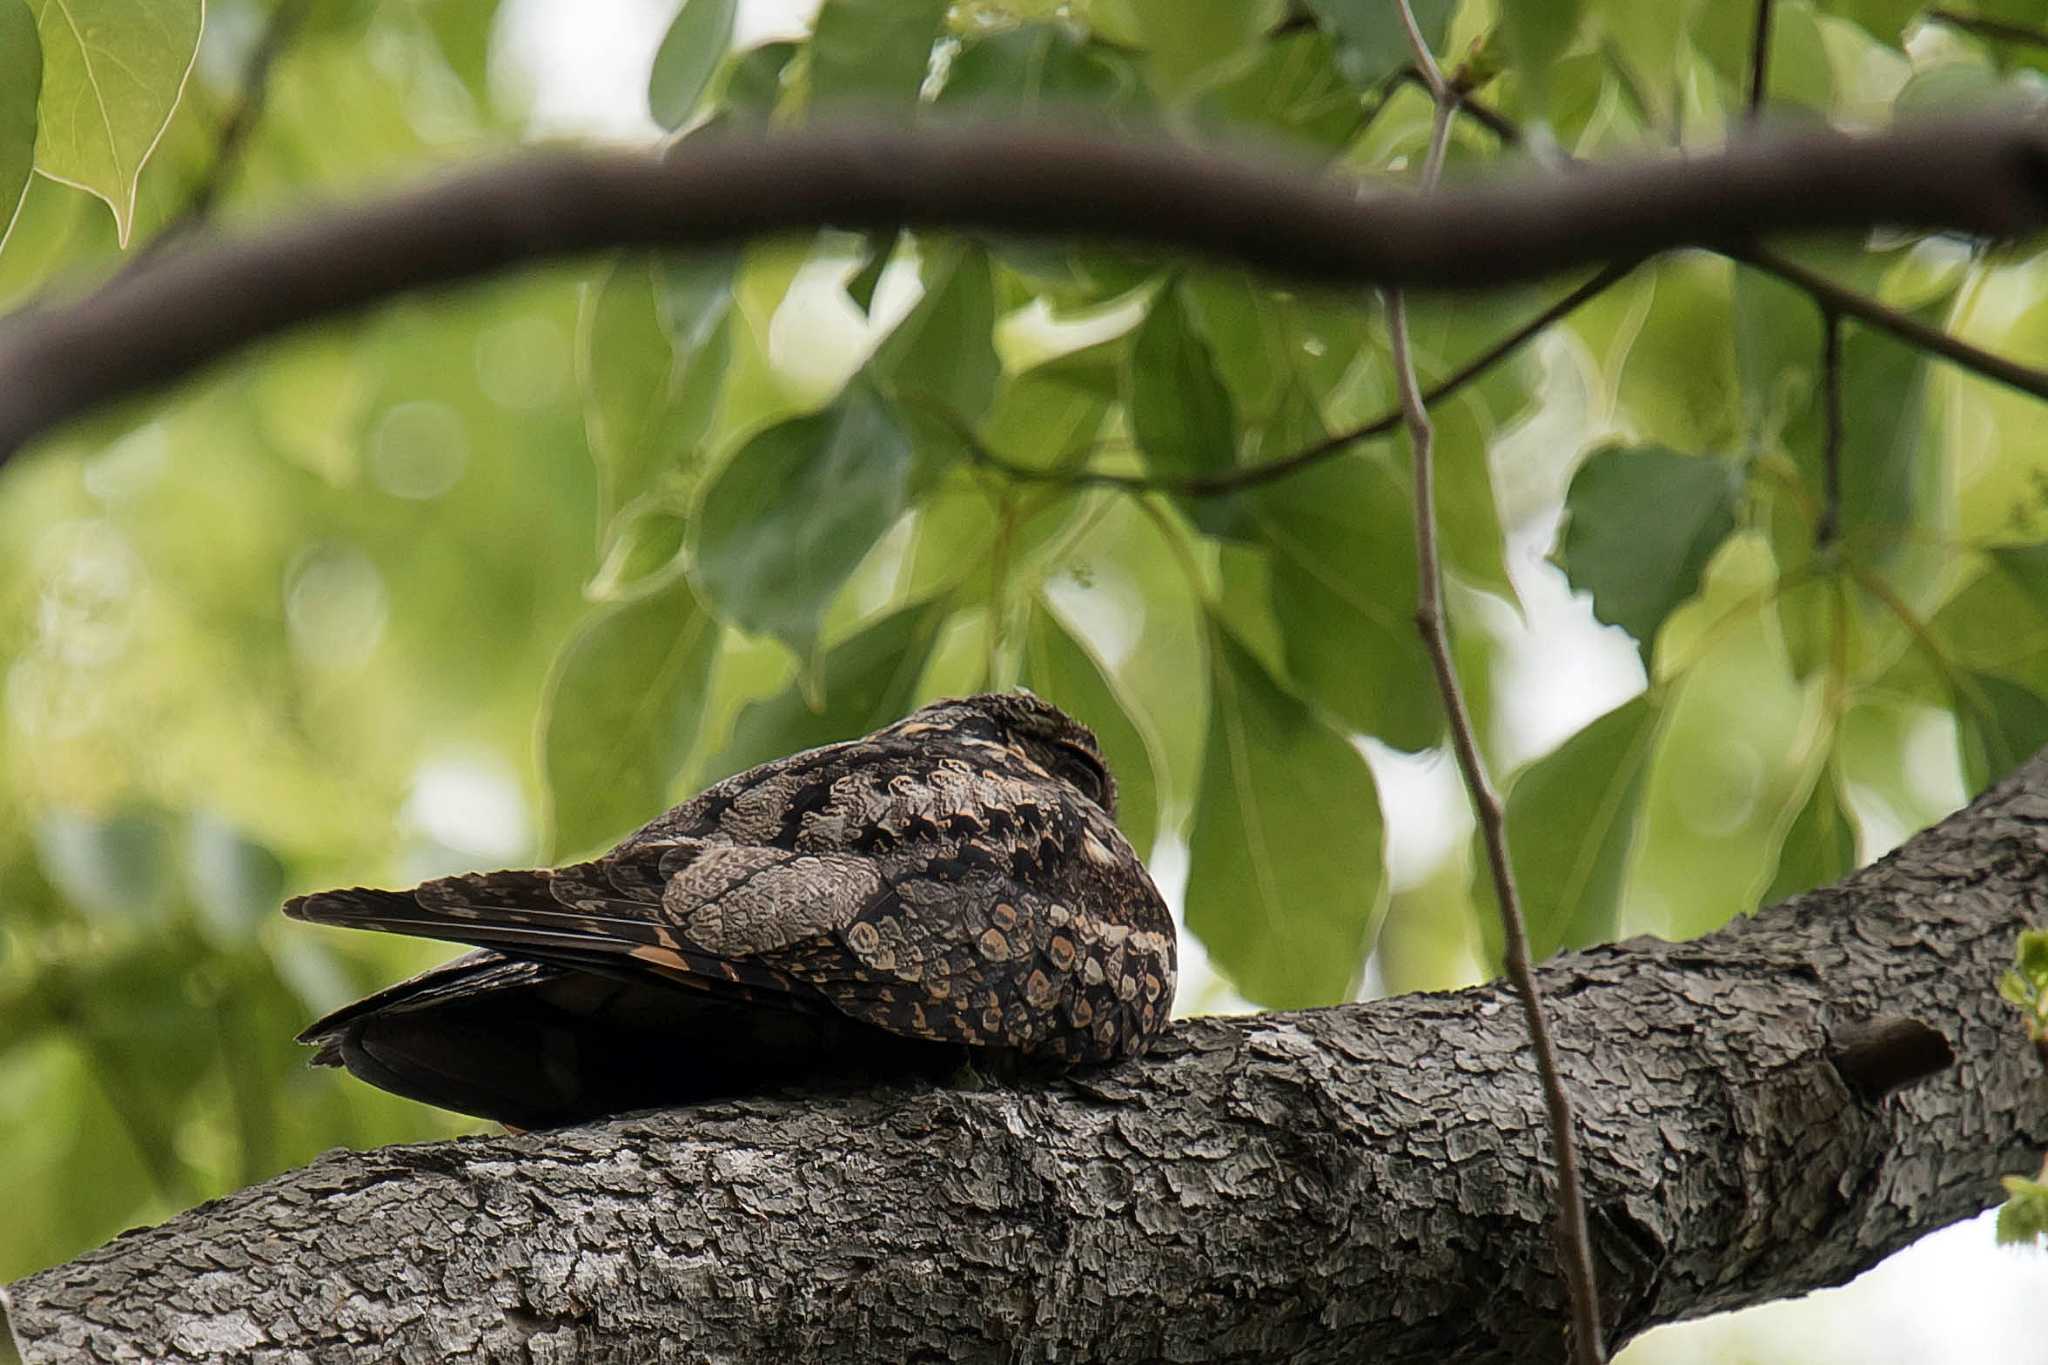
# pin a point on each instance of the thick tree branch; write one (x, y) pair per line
(1986, 175)
(1342, 1184)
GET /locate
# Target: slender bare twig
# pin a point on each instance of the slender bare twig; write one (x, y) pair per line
(1574, 1244)
(2001, 29)
(1830, 519)
(1760, 59)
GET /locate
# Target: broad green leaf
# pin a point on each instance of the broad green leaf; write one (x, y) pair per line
(1292, 91)
(868, 681)
(943, 353)
(1677, 378)
(1286, 877)
(1371, 39)
(1999, 725)
(1886, 20)
(1341, 537)
(1036, 70)
(1066, 672)
(1640, 525)
(112, 73)
(873, 53)
(2026, 566)
(796, 509)
(1467, 514)
(620, 714)
(462, 30)
(753, 82)
(654, 351)
(234, 883)
(1819, 848)
(1800, 76)
(1181, 415)
(2023, 1218)
(21, 77)
(116, 867)
(1571, 819)
(1538, 32)
(1187, 40)
(696, 42)
(1050, 415)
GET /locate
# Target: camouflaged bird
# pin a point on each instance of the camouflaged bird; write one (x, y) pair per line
(867, 908)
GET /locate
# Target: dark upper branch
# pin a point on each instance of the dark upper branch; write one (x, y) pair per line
(1986, 175)
(1764, 1111)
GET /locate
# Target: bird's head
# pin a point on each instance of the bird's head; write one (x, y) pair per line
(1048, 736)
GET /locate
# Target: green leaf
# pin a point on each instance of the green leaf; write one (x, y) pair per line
(1292, 91)
(873, 52)
(1286, 877)
(1372, 41)
(2023, 1218)
(112, 73)
(1819, 847)
(943, 353)
(1036, 70)
(653, 357)
(1640, 525)
(21, 77)
(2026, 566)
(1999, 725)
(696, 42)
(235, 884)
(1571, 819)
(621, 712)
(868, 681)
(753, 82)
(1187, 41)
(796, 509)
(1063, 670)
(1538, 32)
(1886, 20)
(2032, 956)
(461, 30)
(1051, 414)
(1341, 536)
(1181, 414)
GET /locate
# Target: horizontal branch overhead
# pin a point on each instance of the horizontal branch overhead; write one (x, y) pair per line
(1986, 175)
(1765, 1110)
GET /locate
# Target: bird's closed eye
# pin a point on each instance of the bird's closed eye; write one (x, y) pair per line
(1083, 771)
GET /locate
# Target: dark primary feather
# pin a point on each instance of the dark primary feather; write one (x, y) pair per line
(955, 879)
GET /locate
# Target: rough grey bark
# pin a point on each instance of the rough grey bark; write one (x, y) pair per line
(1765, 1110)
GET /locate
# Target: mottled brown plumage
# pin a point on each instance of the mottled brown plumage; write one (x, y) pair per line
(955, 879)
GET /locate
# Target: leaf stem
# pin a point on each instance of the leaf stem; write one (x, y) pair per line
(1575, 1254)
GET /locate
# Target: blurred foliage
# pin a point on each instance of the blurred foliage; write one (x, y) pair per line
(491, 576)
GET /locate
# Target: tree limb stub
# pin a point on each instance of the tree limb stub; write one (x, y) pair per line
(1986, 175)
(1349, 1183)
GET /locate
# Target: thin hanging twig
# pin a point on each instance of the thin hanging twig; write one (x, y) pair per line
(1575, 1252)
